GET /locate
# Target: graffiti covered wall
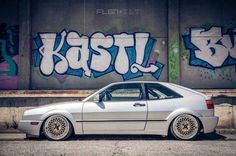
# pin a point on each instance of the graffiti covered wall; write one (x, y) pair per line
(88, 44)
(211, 48)
(98, 43)
(73, 54)
(208, 53)
(8, 56)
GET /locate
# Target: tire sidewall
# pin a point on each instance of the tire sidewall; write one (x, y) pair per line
(61, 139)
(179, 138)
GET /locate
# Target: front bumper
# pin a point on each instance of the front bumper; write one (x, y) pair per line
(26, 127)
(209, 123)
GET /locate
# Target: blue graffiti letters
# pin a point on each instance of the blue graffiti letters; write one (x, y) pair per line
(75, 54)
(211, 48)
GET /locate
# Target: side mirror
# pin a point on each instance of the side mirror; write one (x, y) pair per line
(99, 97)
(96, 98)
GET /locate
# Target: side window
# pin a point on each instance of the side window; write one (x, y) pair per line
(156, 91)
(123, 92)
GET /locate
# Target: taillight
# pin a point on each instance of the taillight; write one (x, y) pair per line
(210, 104)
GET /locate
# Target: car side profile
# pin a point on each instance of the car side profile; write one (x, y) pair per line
(135, 107)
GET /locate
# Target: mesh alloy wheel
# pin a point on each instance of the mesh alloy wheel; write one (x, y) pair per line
(185, 127)
(57, 127)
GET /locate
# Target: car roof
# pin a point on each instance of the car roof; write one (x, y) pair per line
(177, 88)
(126, 82)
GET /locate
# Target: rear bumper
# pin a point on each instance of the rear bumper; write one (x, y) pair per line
(209, 123)
(26, 127)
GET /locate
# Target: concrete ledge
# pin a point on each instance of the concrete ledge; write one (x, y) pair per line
(226, 116)
(84, 93)
(218, 92)
(11, 130)
(226, 131)
(44, 93)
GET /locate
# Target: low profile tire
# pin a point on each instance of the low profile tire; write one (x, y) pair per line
(185, 127)
(57, 127)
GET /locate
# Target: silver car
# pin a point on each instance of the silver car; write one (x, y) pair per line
(137, 107)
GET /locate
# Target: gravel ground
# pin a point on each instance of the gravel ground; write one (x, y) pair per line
(100, 145)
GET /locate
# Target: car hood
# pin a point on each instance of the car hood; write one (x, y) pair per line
(68, 106)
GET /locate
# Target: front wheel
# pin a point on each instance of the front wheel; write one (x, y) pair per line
(185, 127)
(57, 127)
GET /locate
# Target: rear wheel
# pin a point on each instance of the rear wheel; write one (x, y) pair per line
(57, 127)
(185, 127)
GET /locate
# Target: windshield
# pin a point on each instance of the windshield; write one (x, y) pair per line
(89, 97)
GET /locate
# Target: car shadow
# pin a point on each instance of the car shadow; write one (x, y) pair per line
(211, 136)
(118, 137)
(201, 137)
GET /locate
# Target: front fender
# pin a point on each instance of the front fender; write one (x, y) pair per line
(76, 125)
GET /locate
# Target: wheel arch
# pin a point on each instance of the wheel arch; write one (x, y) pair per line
(178, 112)
(64, 113)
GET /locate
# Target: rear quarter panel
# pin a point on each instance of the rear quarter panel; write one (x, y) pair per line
(162, 112)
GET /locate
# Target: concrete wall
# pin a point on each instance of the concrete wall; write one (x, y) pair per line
(77, 44)
(125, 29)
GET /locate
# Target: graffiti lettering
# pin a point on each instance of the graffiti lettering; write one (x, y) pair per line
(8, 56)
(117, 11)
(74, 54)
(99, 40)
(211, 48)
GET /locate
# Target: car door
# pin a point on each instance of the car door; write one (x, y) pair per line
(122, 107)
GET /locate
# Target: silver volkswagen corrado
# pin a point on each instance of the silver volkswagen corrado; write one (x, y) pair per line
(135, 107)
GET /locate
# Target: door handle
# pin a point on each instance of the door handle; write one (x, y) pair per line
(139, 105)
